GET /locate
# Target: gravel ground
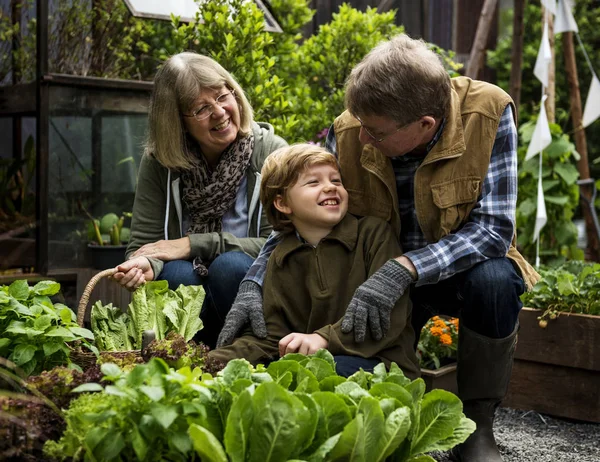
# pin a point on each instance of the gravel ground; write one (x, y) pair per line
(526, 436)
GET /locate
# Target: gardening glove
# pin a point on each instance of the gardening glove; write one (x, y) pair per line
(247, 307)
(374, 301)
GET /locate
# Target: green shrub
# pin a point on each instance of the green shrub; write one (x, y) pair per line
(573, 287)
(586, 14)
(558, 238)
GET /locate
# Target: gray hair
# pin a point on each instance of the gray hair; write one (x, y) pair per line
(177, 85)
(401, 79)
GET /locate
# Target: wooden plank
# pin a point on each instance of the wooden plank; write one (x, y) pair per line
(84, 101)
(555, 390)
(444, 378)
(570, 340)
(439, 22)
(410, 15)
(98, 83)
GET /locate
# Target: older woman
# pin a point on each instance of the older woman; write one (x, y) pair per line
(197, 217)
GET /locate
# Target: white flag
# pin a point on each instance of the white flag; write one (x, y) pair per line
(540, 217)
(564, 21)
(592, 103)
(541, 137)
(550, 5)
(544, 57)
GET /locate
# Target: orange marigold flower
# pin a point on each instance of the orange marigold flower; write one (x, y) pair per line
(446, 339)
(441, 324)
(436, 331)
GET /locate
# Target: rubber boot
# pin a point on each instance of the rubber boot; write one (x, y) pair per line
(483, 374)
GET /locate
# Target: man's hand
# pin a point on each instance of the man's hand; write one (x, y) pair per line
(374, 301)
(173, 249)
(246, 308)
(305, 344)
(133, 273)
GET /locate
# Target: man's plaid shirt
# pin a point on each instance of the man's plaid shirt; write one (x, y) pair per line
(487, 234)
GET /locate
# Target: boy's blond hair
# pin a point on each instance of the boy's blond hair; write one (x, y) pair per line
(281, 171)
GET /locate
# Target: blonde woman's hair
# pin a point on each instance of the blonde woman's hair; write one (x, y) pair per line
(281, 171)
(401, 79)
(177, 85)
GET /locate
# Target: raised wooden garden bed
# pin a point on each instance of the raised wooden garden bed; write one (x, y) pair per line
(444, 378)
(557, 369)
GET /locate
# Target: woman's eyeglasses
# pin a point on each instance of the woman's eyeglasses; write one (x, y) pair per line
(206, 110)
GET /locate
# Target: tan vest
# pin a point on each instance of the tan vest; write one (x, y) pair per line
(448, 181)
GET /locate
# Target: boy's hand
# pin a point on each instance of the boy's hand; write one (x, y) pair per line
(305, 344)
(374, 301)
(246, 308)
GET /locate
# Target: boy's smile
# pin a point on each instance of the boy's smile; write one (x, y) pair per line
(316, 202)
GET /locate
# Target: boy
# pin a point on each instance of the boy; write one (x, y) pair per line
(324, 256)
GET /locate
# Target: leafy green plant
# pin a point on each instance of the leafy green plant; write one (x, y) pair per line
(178, 353)
(298, 87)
(438, 342)
(100, 38)
(585, 13)
(558, 238)
(35, 331)
(109, 229)
(296, 408)
(573, 287)
(153, 307)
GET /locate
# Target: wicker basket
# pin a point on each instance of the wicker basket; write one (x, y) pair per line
(83, 357)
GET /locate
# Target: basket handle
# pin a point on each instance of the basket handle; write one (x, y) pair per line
(85, 297)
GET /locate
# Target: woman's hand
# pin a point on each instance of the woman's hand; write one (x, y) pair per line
(133, 273)
(305, 344)
(173, 249)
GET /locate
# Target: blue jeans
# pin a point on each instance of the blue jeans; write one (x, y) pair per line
(485, 298)
(348, 365)
(221, 285)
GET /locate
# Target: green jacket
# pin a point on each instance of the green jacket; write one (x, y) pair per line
(307, 289)
(157, 209)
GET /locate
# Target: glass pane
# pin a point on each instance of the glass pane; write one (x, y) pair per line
(96, 139)
(17, 194)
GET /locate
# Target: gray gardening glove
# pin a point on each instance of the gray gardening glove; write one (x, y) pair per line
(246, 308)
(374, 301)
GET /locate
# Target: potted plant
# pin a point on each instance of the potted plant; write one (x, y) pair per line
(557, 366)
(108, 239)
(437, 353)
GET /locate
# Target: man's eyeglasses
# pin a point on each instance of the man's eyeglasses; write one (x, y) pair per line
(378, 139)
(206, 110)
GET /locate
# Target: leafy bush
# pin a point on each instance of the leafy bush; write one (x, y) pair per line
(298, 87)
(100, 39)
(295, 408)
(586, 14)
(35, 331)
(570, 288)
(558, 238)
(438, 342)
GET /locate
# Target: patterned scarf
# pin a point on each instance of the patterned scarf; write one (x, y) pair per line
(208, 193)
